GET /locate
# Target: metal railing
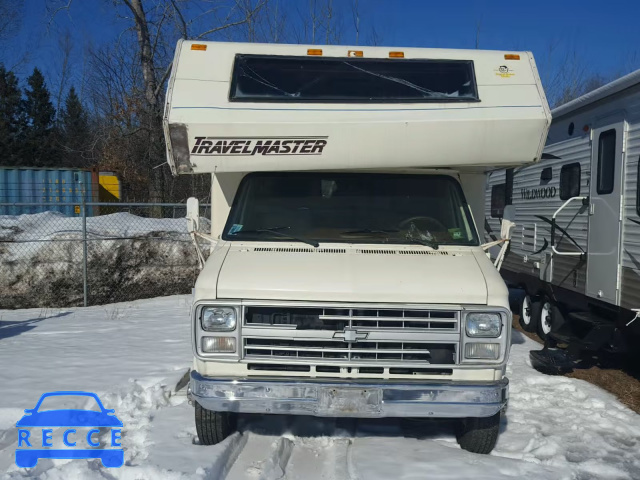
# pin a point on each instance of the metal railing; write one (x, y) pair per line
(105, 253)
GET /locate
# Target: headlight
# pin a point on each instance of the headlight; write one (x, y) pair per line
(484, 324)
(218, 319)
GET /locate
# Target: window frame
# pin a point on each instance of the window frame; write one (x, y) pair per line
(599, 168)
(256, 99)
(563, 170)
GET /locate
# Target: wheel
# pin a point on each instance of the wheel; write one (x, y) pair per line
(528, 321)
(479, 435)
(547, 317)
(213, 427)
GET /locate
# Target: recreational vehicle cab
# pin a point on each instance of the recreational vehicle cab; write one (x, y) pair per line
(347, 276)
(575, 253)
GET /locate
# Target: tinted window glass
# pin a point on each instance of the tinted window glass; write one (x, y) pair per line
(508, 194)
(606, 161)
(638, 190)
(350, 208)
(258, 78)
(546, 174)
(497, 200)
(569, 181)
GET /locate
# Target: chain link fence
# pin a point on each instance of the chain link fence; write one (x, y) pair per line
(105, 253)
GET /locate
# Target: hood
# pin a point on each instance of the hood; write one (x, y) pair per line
(372, 275)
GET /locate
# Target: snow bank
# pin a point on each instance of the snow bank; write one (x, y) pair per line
(132, 354)
(129, 257)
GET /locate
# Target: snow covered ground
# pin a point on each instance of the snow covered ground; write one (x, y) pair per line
(133, 354)
(128, 257)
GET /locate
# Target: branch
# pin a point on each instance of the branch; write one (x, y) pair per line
(185, 33)
(163, 79)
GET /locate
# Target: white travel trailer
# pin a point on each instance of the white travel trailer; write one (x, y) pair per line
(575, 252)
(346, 276)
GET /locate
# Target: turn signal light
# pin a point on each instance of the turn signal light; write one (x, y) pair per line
(198, 46)
(314, 51)
(511, 56)
(355, 53)
(396, 54)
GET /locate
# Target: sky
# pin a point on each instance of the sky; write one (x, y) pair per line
(602, 35)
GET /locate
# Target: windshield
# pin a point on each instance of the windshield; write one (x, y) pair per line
(351, 208)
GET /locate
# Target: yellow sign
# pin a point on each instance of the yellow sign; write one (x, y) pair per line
(77, 209)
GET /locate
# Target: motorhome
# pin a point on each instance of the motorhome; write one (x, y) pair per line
(346, 275)
(575, 252)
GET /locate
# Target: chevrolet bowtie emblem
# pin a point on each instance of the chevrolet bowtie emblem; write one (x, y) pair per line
(351, 335)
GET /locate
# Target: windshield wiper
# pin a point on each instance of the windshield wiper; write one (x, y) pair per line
(276, 231)
(369, 230)
(427, 243)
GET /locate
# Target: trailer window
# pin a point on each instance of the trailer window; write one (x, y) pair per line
(260, 78)
(638, 189)
(498, 200)
(569, 181)
(606, 162)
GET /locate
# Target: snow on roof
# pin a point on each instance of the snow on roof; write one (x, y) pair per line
(605, 91)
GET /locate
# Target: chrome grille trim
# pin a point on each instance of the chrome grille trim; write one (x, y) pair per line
(366, 319)
(334, 336)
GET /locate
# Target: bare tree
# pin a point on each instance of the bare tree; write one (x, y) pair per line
(65, 44)
(10, 18)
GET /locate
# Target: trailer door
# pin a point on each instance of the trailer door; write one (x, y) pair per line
(605, 214)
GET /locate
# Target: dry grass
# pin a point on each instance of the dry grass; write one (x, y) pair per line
(622, 382)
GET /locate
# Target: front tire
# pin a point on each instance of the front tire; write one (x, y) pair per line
(479, 435)
(213, 427)
(527, 320)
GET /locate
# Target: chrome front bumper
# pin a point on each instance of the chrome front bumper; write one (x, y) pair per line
(337, 398)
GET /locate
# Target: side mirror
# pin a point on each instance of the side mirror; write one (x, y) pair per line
(508, 221)
(193, 214)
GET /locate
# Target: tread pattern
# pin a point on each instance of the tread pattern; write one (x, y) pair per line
(479, 435)
(213, 427)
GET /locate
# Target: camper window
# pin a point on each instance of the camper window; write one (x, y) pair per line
(569, 181)
(260, 78)
(606, 162)
(350, 208)
(638, 190)
(498, 200)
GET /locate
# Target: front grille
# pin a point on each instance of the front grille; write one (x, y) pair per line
(305, 318)
(331, 350)
(335, 340)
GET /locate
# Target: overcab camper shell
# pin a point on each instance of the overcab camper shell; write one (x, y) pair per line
(346, 276)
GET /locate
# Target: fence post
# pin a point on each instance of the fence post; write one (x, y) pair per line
(84, 248)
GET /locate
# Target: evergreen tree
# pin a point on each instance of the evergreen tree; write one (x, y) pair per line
(40, 145)
(75, 130)
(12, 119)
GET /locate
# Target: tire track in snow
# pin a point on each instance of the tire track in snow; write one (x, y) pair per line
(261, 458)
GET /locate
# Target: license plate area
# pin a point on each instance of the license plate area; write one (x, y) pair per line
(350, 402)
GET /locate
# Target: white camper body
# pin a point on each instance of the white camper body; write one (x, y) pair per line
(347, 277)
(582, 281)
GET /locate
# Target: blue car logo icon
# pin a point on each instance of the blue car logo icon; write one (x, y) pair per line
(68, 419)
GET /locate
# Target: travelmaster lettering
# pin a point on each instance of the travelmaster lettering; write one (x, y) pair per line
(214, 146)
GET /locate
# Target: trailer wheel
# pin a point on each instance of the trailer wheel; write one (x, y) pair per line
(549, 317)
(528, 321)
(213, 427)
(479, 435)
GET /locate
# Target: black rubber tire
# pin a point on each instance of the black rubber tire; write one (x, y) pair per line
(532, 326)
(555, 314)
(214, 427)
(478, 435)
